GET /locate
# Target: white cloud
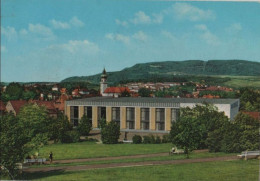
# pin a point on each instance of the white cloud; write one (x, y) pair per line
(140, 36)
(41, 31)
(169, 35)
(76, 22)
(210, 38)
(77, 46)
(118, 37)
(141, 18)
(189, 12)
(122, 23)
(201, 27)
(23, 32)
(9, 32)
(158, 18)
(234, 28)
(3, 49)
(207, 35)
(59, 24)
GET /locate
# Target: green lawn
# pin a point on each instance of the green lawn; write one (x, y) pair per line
(129, 160)
(93, 150)
(222, 170)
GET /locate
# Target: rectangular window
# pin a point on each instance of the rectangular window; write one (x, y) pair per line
(175, 114)
(160, 118)
(88, 112)
(101, 113)
(116, 114)
(130, 118)
(74, 115)
(145, 117)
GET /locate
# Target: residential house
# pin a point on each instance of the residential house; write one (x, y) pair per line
(14, 106)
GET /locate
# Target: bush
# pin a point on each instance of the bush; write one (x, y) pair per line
(166, 139)
(70, 137)
(91, 140)
(146, 139)
(152, 138)
(85, 125)
(158, 140)
(137, 139)
(110, 133)
(102, 123)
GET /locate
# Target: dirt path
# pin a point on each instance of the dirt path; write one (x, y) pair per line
(115, 165)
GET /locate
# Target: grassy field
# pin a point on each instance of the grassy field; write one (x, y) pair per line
(131, 160)
(93, 150)
(243, 81)
(223, 170)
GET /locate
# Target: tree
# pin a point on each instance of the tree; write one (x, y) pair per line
(28, 95)
(62, 127)
(186, 133)
(242, 134)
(35, 121)
(15, 143)
(85, 125)
(110, 133)
(143, 92)
(14, 90)
(202, 127)
(125, 93)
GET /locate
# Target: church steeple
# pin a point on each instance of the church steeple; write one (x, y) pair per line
(104, 74)
(103, 82)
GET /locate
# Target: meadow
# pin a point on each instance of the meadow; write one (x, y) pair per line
(238, 170)
(94, 150)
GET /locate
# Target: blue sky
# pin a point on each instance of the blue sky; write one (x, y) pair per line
(49, 40)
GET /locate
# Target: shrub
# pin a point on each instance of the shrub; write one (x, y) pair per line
(137, 139)
(158, 140)
(110, 133)
(146, 139)
(84, 126)
(70, 137)
(166, 139)
(152, 138)
(102, 123)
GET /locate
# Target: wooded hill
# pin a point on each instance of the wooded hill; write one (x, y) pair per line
(176, 71)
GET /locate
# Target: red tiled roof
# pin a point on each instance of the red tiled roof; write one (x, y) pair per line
(116, 89)
(63, 90)
(48, 104)
(2, 106)
(59, 106)
(255, 115)
(17, 104)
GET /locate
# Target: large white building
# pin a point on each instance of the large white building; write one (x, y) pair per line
(141, 114)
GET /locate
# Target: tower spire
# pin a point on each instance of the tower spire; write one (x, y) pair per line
(103, 82)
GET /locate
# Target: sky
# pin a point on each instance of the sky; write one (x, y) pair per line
(50, 40)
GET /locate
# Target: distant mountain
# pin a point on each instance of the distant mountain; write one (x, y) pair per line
(177, 68)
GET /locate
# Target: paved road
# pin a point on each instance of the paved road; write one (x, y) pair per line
(116, 165)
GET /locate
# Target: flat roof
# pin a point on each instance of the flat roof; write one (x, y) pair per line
(146, 101)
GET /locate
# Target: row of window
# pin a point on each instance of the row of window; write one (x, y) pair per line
(130, 116)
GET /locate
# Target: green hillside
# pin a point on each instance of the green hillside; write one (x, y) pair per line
(177, 70)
